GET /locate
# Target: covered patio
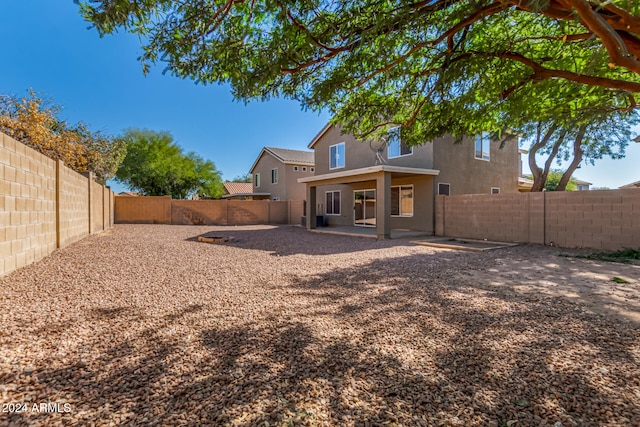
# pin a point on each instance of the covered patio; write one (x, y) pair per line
(380, 176)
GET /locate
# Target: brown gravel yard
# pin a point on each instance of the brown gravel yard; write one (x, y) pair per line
(145, 325)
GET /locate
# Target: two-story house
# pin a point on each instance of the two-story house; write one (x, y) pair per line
(276, 171)
(394, 186)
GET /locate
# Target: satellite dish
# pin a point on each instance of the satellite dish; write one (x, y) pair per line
(377, 146)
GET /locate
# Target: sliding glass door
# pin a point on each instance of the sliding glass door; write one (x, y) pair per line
(364, 208)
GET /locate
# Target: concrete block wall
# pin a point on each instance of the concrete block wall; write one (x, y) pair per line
(604, 219)
(43, 205)
(27, 205)
(73, 206)
(164, 210)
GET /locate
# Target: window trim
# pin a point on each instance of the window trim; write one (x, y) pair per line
(312, 169)
(482, 137)
(343, 160)
(274, 176)
(326, 208)
(256, 180)
(438, 189)
(495, 188)
(399, 148)
(304, 168)
(295, 168)
(401, 215)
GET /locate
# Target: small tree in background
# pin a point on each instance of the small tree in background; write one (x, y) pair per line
(34, 121)
(156, 166)
(243, 178)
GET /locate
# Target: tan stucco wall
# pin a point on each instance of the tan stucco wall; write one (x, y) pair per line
(468, 175)
(603, 220)
(97, 208)
(422, 219)
(142, 210)
(43, 205)
(288, 187)
(359, 154)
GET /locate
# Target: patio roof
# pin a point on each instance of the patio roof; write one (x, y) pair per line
(355, 174)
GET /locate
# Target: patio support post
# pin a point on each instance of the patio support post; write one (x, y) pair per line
(311, 207)
(383, 205)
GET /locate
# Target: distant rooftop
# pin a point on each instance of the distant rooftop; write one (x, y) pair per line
(287, 155)
(238, 187)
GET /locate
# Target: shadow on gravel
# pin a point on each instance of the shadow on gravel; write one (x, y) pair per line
(288, 240)
(499, 356)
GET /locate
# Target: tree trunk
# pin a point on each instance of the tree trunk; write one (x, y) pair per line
(539, 174)
(578, 151)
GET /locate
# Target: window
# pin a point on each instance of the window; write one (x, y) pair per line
(295, 169)
(444, 189)
(312, 169)
(482, 150)
(396, 148)
(495, 190)
(336, 156)
(402, 200)
(275, 199)
(304, 169)
(256, 180)
(274, 176)
(332, 207)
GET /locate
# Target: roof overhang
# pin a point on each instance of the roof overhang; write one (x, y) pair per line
(363, 174)
(226, 196)
(319, 135)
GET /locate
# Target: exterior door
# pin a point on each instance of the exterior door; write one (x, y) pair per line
(364, 208)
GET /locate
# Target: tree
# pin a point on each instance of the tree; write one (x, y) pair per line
(156, 166)
(431, 67)
(553, 179)
(243, 178)
(34, 121)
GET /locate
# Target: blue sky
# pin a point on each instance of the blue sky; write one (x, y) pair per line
(47, 46)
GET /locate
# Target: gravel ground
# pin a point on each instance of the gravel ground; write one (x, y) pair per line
(144, 325)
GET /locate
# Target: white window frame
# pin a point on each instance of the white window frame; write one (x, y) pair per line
(312, 169)
(495, 190)
(274, 175)
(338, 166)
(484, 155)
(333, 198)
(401, 214)
(275, 199)
(256, 180)
(444, 183)
(304, 169)
(295, 168)
(399, 141)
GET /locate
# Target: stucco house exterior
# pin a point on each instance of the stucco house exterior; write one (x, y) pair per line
(395, 187)
(276, 172)
(241, 191)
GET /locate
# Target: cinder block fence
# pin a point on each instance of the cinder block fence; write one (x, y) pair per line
(44, 205)
(602, 219)
(164, 210)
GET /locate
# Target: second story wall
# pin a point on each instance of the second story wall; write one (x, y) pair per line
(359, 154)
(466, 174)
(287, 187)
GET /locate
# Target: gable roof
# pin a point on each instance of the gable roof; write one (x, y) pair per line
(238, 187)
(319, 135)
(287, 156)
(632, 185)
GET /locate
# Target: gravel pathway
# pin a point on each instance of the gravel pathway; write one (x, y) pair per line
(143, 325)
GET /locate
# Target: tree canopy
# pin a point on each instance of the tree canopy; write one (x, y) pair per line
(156, 166)
(430, 67)
(34, 121)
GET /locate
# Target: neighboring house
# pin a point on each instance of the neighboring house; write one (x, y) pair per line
(395, 187)
(128, 194)
(242, 191)
(632, 185)
(276, 172)
(582, 185)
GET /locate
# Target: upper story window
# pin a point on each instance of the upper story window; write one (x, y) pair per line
(304, 169)
(336, 156)
(482, 150)
(274, 176)
(312, 169)
(396, 148)
(256, 180)
(295, 169)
